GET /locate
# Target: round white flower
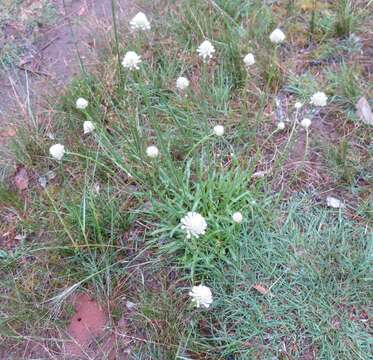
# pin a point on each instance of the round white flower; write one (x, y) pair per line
(140, 22)
(319, 99)
(277, 36)
(298, 105)
(201, 296)
(281, 125)
(81, 103)
(334, 202)
(131, 60)
(237, 217)
(249, 60)
(306, 123)
(206, 50)
(88, 127)
(152, 151)
(219, 130)
(182, 83)
(57, 151)
(194, 224)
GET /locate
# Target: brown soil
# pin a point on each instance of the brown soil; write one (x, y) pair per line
(52, 60)
(85, 326)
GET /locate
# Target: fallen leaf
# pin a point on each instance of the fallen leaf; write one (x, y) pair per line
(311, 5)
(334, 202)
(261, 288)
(9, 132)
(20, 237)
(364, 112)
(42, 181)
(260, 174)
(51, 136)
(21, 178)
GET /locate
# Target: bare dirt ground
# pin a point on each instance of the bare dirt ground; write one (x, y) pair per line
(47, 56)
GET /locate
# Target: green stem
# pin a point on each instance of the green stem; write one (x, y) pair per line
(115, 28)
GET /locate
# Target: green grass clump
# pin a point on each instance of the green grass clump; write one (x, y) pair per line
(216, 196)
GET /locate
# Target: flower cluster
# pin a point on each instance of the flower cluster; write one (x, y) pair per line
(277, 36)
(193, 223)
(131, 60)
(57, 151)
(306, 123)
(319, 99)
(201, 296)
(81, 104)
(182, 83)
(219, 130)
(206, 50)
(140, 22)
(88, 127)
(249, 60)
(152, 151)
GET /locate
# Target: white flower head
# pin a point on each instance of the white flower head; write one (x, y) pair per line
(194, 224)
(206, 50)
(182, 83)
(319, 99)
(237, 217)
(306, 123)
(219, 130)
(88, 127)
(298, 105)
(281, 125)
(131, 60)
(249, 60)
(277, 36)
(57, 151)
(140, 22)
(81, 103)
(201, 296)
(334, 202)
(152, 151)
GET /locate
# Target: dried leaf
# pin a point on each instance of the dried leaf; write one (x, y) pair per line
(50, 175)
(21, 178)
(261, 288)
(364, 112)
(43, 181)
(311, 5)
(51, 136)
(334, 202)
(260, 174)
(8, 132)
